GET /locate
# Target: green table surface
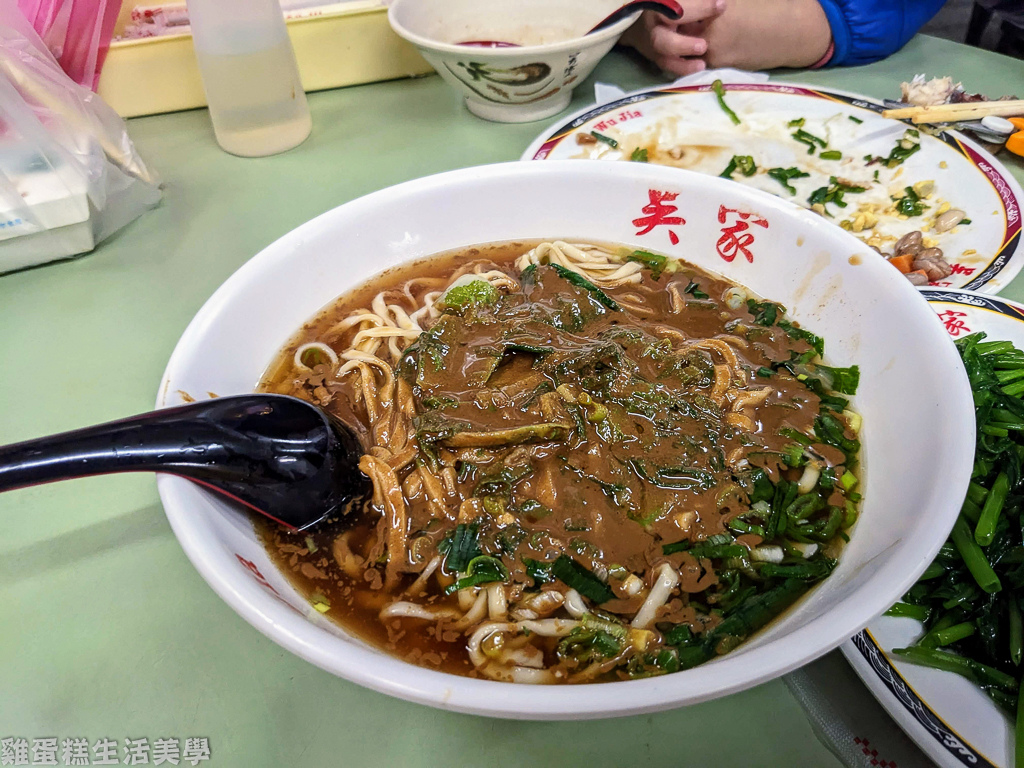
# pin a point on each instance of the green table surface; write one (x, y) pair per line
(105, 628)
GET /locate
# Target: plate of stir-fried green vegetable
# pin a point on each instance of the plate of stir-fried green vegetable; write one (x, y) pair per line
(948, 660)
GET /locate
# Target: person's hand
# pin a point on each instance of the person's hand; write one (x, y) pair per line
(757, 35)
(661, 40)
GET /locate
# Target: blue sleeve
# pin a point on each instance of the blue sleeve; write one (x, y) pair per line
(868, 30)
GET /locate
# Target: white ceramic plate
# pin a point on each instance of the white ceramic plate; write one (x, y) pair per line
(822, 274)
(951, 719)
(985, 254)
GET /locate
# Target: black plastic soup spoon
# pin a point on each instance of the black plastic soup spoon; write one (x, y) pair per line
(277, 455)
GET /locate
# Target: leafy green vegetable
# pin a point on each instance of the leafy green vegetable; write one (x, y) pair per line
(783, 176)
(831, 432)
(540, 571)
(534, 510)
(834, 192)
(581, 282)
(639, 155)
(797, 122)
(431, 348)
(831, 154)
(499, 479)
(843, 380)
(653, 261)
(673, 477)
(910, 204)
(693, 288)
(576, 576)
(765, 312)
(459, 298)
(460, 548)
(905, 147)
(439, 402)
(719, 90)
(799, 333)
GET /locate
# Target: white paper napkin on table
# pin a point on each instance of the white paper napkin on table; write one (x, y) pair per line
(848, 719)
(605, 92)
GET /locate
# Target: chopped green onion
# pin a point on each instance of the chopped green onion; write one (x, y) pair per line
(482, 569)
(742, 163)
(783, 176)
(719, 90)
(606, 139)
(812, 141)
(576, 576)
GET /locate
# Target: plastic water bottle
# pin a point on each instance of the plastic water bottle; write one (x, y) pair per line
(249, 73)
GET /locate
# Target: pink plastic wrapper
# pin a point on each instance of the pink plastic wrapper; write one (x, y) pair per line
(77, 32)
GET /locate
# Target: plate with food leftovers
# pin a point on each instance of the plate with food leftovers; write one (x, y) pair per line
(945, 661)
(611, 440)
(939, 207)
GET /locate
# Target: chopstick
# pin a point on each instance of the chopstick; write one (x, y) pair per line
(954, 113)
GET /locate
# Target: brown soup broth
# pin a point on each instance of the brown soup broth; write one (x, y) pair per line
(647, 424)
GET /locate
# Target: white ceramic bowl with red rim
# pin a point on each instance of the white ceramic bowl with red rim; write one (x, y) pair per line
(531, 81)
(918, 432)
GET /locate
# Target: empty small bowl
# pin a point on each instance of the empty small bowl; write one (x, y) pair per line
(531, 80)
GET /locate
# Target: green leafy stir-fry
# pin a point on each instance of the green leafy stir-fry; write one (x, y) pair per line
(969, 598)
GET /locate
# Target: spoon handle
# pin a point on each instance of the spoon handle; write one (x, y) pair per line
(147, 442)
(229, 439)
(669, 8)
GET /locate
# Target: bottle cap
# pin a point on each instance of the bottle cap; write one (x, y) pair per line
(999, 125)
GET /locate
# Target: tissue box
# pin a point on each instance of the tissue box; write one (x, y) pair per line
(44, 213)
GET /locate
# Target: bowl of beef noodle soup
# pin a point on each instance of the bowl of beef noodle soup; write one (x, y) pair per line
(637, 435)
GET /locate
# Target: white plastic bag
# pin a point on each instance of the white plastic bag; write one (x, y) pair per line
(69, 173)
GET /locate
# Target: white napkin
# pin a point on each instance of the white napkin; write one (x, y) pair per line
(848, 720)
(605, 92)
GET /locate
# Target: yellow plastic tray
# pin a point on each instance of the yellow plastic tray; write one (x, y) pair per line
(346, 47)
